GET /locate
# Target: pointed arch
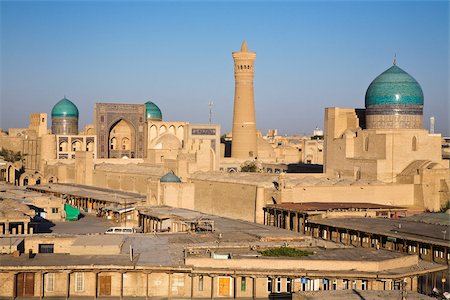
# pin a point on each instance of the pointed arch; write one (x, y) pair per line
(414, 144)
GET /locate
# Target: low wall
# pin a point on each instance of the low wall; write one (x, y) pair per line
(303, 264)
(385, 194)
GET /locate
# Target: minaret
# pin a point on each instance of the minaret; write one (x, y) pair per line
(244, 120)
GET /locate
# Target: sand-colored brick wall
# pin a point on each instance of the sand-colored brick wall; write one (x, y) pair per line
(240, 199)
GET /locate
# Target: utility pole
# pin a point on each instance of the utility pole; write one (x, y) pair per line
(210, 105)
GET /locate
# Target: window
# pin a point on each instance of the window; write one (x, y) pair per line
(364, 285)
(397, 285)
(49, 282)
(345, 284)
(325, 284)
(46, 248)
(288, 285)
(269, 285)
(79, 282)
(278, 285)
(243, 284)
(54, 210)
(200, 283)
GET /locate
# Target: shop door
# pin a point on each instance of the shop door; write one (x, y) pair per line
(224, 286)
(104, 285)
(25, 284)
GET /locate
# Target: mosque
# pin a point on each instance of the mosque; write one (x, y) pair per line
(380, 154)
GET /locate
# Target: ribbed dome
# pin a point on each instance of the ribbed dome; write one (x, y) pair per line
(153, 112)
(394, 86)
(170, 177)
(65, 108)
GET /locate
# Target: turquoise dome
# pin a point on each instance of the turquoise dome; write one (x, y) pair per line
(65, 108)
(152, 111)
(394, 87)
(170, 177)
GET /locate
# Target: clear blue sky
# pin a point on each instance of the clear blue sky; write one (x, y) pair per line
(310, 55)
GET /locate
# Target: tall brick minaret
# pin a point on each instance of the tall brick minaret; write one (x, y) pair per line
(244, 121)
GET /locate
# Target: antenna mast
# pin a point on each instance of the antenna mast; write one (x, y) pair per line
(210, 105)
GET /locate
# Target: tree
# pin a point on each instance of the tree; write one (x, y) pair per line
(249, 167)
(12, 156)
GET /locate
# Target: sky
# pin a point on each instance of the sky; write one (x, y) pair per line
(310, 55)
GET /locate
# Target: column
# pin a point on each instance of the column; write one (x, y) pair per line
(295, 222)
(192, 285)
(169, 285)
(146, 285)
(68, 285)
(42, 279)
(254, 287)
(121, 285)
(432, 253)
(446, 254)
(212, 286)
(96, 285)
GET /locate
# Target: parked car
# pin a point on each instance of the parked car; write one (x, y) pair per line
(121, 230)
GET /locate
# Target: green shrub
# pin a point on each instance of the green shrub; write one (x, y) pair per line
(285, 252)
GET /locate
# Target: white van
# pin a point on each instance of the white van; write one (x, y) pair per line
(120, 230)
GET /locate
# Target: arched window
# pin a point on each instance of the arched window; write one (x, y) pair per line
(63, 147)
(125, 144)
(414, 144)
(113, 143)
(76, 146)
(90, 146)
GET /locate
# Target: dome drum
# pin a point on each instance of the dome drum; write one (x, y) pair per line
(65, 125)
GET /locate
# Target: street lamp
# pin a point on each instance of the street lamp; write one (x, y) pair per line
(443, 280)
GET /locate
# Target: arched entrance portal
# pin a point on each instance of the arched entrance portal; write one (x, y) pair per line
(122, 140)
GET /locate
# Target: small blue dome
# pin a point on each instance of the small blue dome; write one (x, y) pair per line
(152, 111)
(65, 108)
(170, 177)
(394, 86)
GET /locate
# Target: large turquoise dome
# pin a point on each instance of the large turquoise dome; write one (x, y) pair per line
(65, 108)
(394, 87)
(153, 112)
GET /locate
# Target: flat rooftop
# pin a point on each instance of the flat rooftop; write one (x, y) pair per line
(328, 206)
(399, 228)
(358, 295)
(96, 193)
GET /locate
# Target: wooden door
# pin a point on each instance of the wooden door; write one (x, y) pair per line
(104, 285)
(224, 286)
(25, 284)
